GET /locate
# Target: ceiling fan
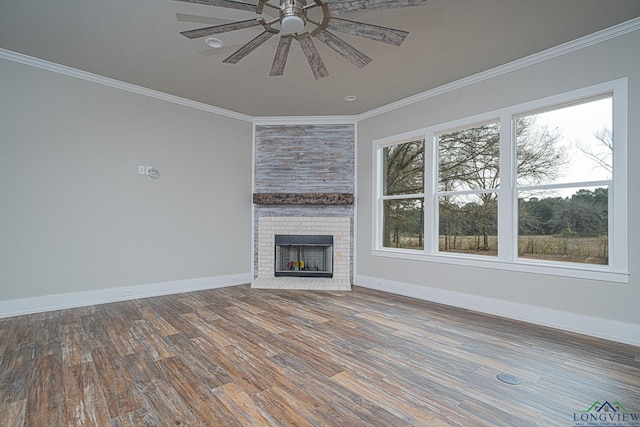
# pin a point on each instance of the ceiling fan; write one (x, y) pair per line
(293, 21)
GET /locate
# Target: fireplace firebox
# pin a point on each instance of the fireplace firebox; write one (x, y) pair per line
(303, 256)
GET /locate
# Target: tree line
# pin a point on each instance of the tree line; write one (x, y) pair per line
(584, 214)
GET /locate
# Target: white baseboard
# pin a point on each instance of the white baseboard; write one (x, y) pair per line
(40, 304)
(592, 326)
(626, 333)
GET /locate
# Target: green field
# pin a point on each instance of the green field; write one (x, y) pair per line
(586, 250)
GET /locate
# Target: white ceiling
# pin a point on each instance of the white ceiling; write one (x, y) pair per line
(138, 42)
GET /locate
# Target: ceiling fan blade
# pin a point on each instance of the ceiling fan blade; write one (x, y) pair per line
(219, 51)
(368, 31)
(347, 6)
(279, 61)
(313, 56)
(218, 29)
(224, 3)
(199, 19)
(249, 47)
(349, 52)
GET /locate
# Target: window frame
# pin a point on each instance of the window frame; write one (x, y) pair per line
(507, 259)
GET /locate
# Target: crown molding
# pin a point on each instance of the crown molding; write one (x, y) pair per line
(116, 84)
(563, 49)
(305, 120)
(545, 55)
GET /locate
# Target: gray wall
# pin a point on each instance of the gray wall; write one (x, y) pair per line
(602, 62)
(75, 214)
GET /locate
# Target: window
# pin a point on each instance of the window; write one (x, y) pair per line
(468, 180)
(563, 174)
(403, 195)
(538, 187)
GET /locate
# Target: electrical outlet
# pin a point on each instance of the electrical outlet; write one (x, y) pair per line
(142, 169)
(127, 292)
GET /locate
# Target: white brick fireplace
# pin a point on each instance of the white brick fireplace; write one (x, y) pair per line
(338, 227)
(304, 185)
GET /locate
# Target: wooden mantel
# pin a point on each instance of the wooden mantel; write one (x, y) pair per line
(303, 198)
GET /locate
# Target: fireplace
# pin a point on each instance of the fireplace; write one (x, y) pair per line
(303, 256)
(303, 185)
(323, 245)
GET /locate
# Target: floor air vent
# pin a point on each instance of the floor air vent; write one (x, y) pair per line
(509, 379)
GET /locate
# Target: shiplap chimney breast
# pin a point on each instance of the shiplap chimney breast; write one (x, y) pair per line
(303, 160)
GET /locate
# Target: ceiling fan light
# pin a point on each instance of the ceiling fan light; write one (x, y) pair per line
(291, 24)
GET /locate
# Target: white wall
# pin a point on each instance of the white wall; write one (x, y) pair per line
(598, 308)
(75, 216)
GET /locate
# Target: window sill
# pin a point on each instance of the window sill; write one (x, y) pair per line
(579, 271)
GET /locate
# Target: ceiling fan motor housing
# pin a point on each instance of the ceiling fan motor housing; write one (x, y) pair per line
(292, 16)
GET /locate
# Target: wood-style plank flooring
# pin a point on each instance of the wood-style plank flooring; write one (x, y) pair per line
(242, 357)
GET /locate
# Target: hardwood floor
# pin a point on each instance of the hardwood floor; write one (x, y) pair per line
(242, 357)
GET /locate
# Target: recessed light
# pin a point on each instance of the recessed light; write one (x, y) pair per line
(350, 98)
(213, 42)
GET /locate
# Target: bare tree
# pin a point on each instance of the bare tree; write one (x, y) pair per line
(404, 168)
(601, 157)
(539, 157)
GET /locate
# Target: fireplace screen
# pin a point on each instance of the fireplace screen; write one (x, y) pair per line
(304, 256)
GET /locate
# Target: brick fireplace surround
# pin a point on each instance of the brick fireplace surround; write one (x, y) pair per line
(338, 227)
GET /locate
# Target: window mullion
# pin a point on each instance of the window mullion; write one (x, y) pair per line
(507, 199)
(378, 205)
(618, 204)
(565, 185)
(431, 230)
(403, 196)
